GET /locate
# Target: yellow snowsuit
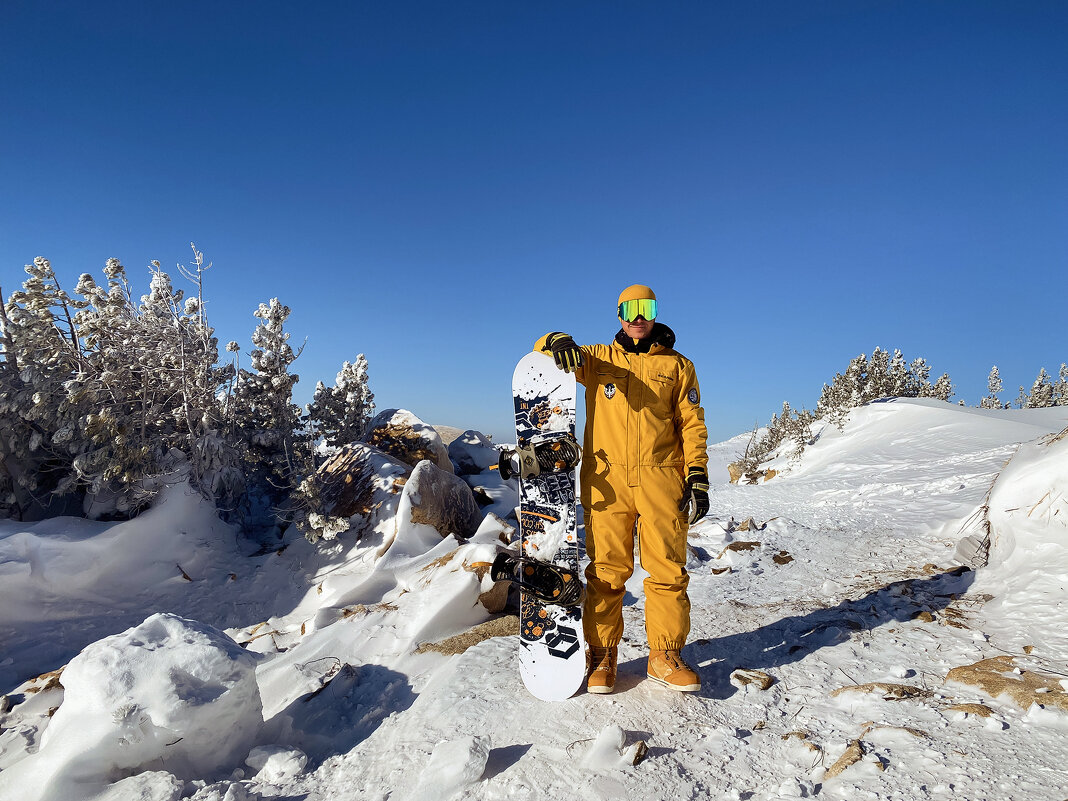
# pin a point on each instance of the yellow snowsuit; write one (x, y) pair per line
(644, 428)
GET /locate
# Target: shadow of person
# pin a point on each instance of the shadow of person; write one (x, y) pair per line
(792, 638)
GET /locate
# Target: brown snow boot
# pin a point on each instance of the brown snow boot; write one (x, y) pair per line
(601, 665)
(667, 668)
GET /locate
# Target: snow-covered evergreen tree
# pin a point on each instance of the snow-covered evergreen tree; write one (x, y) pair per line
(340, 414)
(877, 384)
(38, 422)
(1041, 394)
(274, 446)
(943, 388)
(993, 389)
(863, 381)
(919, 381)
(1060, 389)
(898, 383)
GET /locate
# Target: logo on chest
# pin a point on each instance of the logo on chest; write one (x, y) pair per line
(609, 391)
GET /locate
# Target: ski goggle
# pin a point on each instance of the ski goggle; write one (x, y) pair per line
(631, 310)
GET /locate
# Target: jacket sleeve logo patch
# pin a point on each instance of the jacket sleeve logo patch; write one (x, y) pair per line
(692, 396)
(609, 390)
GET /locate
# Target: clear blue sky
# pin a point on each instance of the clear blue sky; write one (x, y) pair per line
(436, 184)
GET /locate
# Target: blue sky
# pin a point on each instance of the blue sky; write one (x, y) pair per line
(437, 184)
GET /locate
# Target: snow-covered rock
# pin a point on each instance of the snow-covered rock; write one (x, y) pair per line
(405, 437)
(609, 750)
(472, 453)
(357, 490)
(275, 763)
(1028, 560)
(440, 500)
(170, 692)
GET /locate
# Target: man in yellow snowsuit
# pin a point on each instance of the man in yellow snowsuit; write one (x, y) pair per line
(644, 464)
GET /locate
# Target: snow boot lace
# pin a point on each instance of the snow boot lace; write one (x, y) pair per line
(601, 663)
(669, 669)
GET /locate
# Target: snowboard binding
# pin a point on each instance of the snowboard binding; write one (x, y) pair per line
(530, 458)
(545, 581)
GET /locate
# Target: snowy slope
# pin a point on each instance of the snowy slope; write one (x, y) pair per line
(842, 591)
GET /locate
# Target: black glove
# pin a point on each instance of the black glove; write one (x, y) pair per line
(567, 354)
(696, 495)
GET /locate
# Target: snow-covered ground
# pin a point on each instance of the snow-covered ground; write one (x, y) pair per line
(836, 584)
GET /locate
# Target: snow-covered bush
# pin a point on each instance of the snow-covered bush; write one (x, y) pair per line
(104, 398)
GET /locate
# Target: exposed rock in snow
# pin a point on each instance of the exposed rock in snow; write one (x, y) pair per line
(169, 692)
(441, 500)
(1000, 677)
(609, 750)
(408, 439)
(357, 491)
(852, 755)
(752, 678)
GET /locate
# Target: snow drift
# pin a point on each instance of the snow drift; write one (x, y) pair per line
(168, 693)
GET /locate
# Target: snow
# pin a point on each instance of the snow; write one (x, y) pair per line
(169, 691)
(454, 764)
(844, 592)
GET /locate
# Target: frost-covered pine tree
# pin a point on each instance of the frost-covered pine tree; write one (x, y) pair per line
(1060, 389)
(1021, 399)
(38, 423)
(834, 401)
(898, 378)
(340, 414)
(152, 376)
(920, 379)
(993, 388)
(943, 388)
(878, 383)
(266, 419)
(1041, 391)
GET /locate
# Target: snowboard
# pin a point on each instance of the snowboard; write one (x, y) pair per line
(552, 653)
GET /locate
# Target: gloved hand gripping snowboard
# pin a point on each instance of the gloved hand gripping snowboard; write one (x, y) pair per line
(566, 353)
(696, 495)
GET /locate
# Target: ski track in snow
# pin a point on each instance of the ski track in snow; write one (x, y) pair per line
(851, 545)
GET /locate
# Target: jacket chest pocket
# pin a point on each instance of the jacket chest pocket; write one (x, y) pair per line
(663, 388)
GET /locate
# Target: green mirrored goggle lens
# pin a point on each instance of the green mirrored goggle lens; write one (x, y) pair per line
(631, 310)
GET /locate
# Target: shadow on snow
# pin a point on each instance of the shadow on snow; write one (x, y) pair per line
(793, 638)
